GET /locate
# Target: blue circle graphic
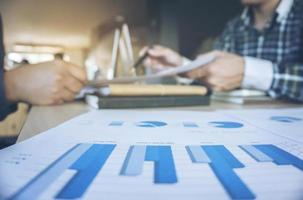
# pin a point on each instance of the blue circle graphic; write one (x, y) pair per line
(150, 124)
(226, 124)
(285, 119)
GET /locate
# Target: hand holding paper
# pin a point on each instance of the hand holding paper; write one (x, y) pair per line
(226, 72)
(173, 71)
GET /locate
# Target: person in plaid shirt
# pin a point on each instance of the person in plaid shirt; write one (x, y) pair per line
(261, 49)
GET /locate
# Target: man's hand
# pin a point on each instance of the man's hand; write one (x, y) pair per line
(160, 57)
(45, 83)
(226, 72)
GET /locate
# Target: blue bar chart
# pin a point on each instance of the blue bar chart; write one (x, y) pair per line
(164, 170)
(87, 159)
(222, 162)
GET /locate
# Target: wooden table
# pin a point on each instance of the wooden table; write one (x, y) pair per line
(43, 118)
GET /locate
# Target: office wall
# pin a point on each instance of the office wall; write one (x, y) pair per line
(185, 25)
(180, 24)
(62, 22)
(202, 19)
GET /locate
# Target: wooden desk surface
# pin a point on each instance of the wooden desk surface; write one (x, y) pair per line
(43, 118)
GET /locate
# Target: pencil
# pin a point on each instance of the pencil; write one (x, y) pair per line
(142, 58)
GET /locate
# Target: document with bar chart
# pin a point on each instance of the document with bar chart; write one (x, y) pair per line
(122, 154)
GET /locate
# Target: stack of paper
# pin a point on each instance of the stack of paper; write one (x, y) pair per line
(242, 96)
(248, 154)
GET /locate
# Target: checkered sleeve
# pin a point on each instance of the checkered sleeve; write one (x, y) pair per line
(288, 78)
(287, 82)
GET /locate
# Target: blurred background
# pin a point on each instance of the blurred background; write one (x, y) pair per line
(81, 31)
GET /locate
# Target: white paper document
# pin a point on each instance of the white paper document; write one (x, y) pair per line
(122, 154)
(201, 61)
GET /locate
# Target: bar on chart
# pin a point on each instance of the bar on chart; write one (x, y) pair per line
(279, 156)
(190, 125)
(222, 162)
(86, 159)
(87, 167)
(116, 123)
(196, 154)
(256, 153)
(164, 167)
(133, 164)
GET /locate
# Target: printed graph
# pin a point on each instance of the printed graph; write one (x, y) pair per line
(87, 160)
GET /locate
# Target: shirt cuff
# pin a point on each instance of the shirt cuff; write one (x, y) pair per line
(186, 61)
(183, 80)
(258, 74)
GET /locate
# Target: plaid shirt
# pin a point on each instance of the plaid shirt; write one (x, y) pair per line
(280, 42)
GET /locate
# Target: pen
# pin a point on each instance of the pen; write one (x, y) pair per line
(141, 59)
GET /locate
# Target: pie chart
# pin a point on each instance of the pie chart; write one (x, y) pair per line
(285, 119)
(226, 124)
(151, 124)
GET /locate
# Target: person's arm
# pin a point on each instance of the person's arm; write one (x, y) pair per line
(280, 80)
(47, 83)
